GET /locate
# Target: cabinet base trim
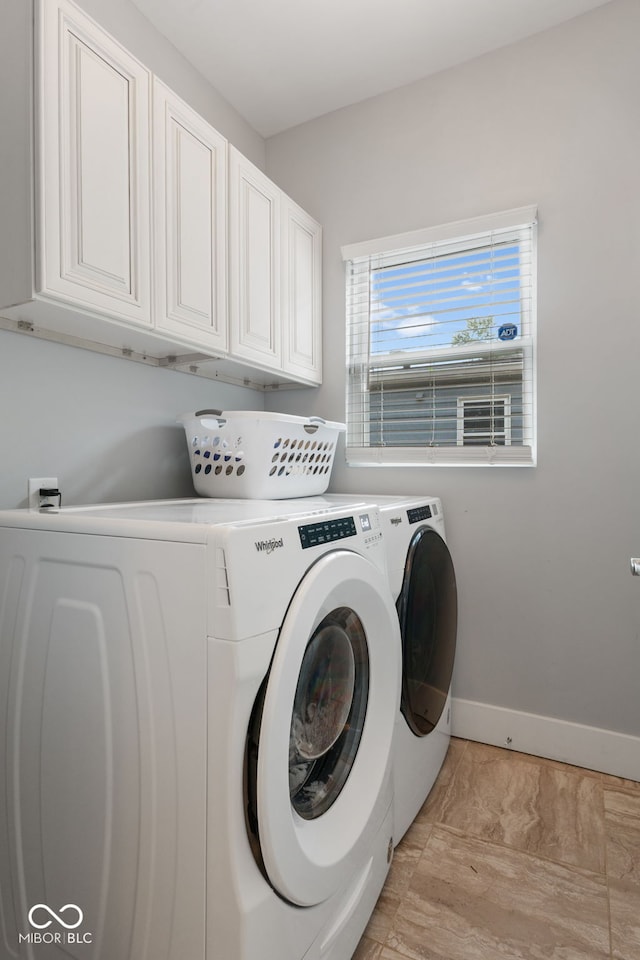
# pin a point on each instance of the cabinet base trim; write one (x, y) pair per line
(195, 364)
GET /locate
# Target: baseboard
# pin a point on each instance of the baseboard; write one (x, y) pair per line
(590, 747)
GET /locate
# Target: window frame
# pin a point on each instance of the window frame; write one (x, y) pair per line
(395, 368)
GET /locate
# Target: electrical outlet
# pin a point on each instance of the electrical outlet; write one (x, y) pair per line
(35, 499)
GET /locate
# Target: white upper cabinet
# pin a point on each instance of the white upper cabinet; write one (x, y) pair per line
(254, 272)
(129, 225)
(94, 155)
(275, 260)
(301, 292)
(190, 208)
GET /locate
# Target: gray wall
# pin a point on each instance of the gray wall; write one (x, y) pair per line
(549, 614)
(104, 426)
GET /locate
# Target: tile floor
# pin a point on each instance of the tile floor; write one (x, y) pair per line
(514, 857)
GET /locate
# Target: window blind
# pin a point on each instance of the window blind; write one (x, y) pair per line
(441, 344)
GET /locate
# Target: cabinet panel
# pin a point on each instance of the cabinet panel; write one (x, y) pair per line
(190, 222)
(301, 292)
(94, 160)
(99, 239)
(254, 245)
(190, 231)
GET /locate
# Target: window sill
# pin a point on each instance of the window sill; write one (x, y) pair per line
(510, 456)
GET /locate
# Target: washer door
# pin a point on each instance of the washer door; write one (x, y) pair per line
(428, 615)
(326, 730)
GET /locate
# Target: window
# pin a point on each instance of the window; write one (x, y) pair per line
(440, 344)
(484, 421)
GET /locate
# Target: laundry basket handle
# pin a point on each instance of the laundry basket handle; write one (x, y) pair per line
(208, 413)
(312, 424)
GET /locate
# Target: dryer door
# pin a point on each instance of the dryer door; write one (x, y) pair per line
(428, 614)
(324, 746)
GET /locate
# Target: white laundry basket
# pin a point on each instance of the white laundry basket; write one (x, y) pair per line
(261, 456)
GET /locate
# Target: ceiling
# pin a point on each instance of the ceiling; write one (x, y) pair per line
(282, 62)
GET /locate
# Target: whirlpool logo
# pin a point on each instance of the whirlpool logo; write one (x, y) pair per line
(268, 546)
(69, 918)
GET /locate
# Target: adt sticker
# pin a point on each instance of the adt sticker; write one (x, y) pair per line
(508, 331)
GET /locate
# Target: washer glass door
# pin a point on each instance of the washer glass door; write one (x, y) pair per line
(322, 782)
(428, 615)
(328, 712)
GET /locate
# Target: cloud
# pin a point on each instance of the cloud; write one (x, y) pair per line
(403, 326)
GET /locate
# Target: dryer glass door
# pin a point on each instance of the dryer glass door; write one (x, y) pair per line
(322, 782)
(428, 611)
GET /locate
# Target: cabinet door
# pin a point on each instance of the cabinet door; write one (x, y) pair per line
(301, 293)
(94, 167)
(254, 272)
(190, 222)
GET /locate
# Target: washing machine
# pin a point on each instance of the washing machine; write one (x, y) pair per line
(423, 586)
(198, 704)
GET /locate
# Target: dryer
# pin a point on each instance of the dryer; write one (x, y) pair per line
(199, 701)
(423, 585)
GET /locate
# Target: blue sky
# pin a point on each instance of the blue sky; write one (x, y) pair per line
(422, 305)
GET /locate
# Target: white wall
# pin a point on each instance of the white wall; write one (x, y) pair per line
(104, 426)
(549, 614)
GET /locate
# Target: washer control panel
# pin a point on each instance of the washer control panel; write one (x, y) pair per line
(326, 531)
(417, 514)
